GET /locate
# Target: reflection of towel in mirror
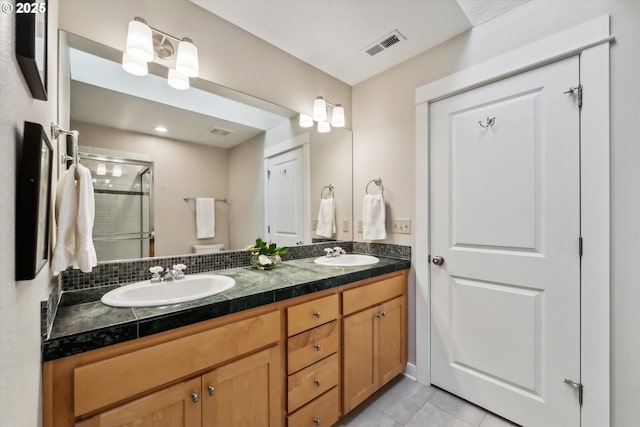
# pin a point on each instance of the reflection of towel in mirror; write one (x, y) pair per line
(373, 217)
(205, 218)
(326, 218)
(75, 211)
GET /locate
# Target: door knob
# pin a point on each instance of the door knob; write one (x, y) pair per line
(438, 260)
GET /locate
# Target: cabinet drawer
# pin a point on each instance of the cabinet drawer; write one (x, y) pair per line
(311, 314)
(130, 374)
(325, 409)
(312, 381)
(366, 296)
(308, 347)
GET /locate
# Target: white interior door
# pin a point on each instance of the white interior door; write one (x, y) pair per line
(286, 197)
(505, 217)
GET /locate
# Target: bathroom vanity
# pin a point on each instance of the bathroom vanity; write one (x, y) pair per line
(300, 351)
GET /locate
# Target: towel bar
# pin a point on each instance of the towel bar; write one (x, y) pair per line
(377, 181)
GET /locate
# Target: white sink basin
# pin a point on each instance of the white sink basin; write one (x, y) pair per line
(347, 260)
(147, 294)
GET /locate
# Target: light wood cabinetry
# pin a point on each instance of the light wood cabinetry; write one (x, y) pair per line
(342, 344)
(374, 338)
(313, 362)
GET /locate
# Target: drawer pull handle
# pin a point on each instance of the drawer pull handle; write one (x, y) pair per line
(317, 381)
(212, 390)
(316, 314)
(317, 347)
(195, 397)
(316, 421)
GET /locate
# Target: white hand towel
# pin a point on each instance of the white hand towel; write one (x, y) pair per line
(85, 253)
(205, 218)
(373, 217)
(66, 214)
(326, 218)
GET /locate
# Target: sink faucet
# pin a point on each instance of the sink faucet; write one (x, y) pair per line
(334, 252)
(168, 276)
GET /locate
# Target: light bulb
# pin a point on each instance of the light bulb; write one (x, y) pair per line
(337, 117)
(319, 109)
(177, 80)
(305, 121)
(324, 127)
(134, 65)
(187, 58)
(139, 40)
(117, 170)
(101, 169)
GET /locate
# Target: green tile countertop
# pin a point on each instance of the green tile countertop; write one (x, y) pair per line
(82, 323)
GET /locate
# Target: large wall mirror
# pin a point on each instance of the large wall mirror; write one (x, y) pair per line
(152, 150)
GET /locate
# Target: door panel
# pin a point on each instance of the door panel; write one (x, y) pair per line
(391, 340)
(505, 217)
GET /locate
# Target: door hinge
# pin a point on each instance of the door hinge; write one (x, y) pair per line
(580, 247)
(268, 174)
(577, 89)
(577, 386)
(268, 229)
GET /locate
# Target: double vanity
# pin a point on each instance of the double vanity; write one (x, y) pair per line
(298, 345)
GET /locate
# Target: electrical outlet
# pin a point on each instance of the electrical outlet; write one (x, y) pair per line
(401, 225)
(359, 226)
(314, 224)
(345, 226)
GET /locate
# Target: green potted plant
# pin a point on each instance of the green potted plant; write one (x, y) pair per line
(266, 255)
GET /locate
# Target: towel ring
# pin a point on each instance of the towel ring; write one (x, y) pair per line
(376, 181)
(327, 187)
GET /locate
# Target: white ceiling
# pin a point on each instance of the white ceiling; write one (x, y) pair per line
(332, 35)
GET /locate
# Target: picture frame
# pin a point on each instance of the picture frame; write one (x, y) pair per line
(31, 44)
(33, 202)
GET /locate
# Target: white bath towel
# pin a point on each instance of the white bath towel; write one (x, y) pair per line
(205, 218)
(85, 253)
(326, 218)
(373, 217)
(75, 211)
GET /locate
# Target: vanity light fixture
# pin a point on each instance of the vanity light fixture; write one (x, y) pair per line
(160, 129)
(320, 114)
(101, 169)
(144, 42)
(117, 171)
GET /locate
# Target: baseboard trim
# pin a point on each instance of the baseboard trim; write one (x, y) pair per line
(410, 371)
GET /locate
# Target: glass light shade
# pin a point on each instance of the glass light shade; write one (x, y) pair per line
(177, 80)
(319, 110)
(101, 169)
(139, 42)
(305, 121)
(337, 117)
(134, 65)
(324, 127)
(187, 59)
(117, 170)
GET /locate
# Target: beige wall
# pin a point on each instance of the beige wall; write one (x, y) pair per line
(384, 124)
(20, 374)
(179, 169)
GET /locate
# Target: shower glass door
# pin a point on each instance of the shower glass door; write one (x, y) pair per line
(123, 190)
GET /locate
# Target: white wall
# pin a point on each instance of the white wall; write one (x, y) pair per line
(384, 124)
(20, 373)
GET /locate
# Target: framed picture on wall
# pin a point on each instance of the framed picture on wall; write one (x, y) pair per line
(31, 44)
(33, 195)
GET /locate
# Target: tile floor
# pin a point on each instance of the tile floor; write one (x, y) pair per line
(404, 402)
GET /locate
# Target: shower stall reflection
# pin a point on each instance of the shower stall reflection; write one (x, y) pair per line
(123, 190)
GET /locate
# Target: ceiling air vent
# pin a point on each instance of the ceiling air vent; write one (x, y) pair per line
(220, 131)
(385, 42)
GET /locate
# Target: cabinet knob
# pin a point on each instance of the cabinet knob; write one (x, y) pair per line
(317, 381)
(212, 390)
(317, 347)
(316, 314)
(195, 397)
(316, 421)
(377, 315)
(383, 314)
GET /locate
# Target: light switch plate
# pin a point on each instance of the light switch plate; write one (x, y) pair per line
(345, 226)
(401, 225)
(359, 226)
(314, 224)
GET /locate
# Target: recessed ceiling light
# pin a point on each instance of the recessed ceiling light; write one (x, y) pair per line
(160, 129)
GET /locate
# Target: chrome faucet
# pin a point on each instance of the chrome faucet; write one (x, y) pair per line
(334, 252)
(168, 275)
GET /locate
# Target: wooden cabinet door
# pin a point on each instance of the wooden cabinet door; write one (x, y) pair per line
(360, 376)
(244, 393)
(175, 406)
(392, 352)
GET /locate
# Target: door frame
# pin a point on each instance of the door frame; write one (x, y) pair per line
(303, 140)
(590, 41)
